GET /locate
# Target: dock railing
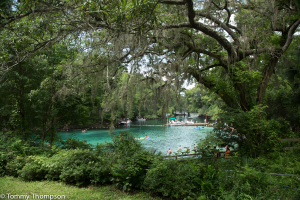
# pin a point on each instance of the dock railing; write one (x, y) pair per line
(220, 154)
(292, 141)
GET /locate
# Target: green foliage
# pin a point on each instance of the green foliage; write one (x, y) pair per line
(246, 183)
(124, 144)
(253, 133)
(129, 166)
(129, 172)
(181, 180)
(133, 160)
(75, 143)
(205, 145)
(208, 103)
(101, 172)
(282, 162)
(76, 167)
(33, 171)
(14, 165)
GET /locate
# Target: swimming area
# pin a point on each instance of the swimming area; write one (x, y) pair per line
(161, 137)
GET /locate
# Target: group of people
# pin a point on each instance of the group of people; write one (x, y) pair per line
(144, 138)
(227, 152)
(189, 122)
(217, 153)
(180, 148)
(174, 122)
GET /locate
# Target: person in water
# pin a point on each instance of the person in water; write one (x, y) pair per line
(146, 137)
(179, 148)
(169, 151)
(195, 149)
(188, 150)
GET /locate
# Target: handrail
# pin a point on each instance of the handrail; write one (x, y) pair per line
(292, 140)
(289, 140)
(268, 173)
(186, 154)
(182, 155)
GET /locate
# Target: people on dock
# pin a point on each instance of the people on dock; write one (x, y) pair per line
(216, 152)
(169, 151)
(227, 151)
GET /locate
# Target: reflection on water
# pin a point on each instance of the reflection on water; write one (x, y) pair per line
(160, 137)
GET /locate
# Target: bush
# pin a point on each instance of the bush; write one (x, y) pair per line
(249, 184)
(54, 165)
(14, 165)
(130, 171)
(178, 180)
(124, 144)
(75, 143)
(76, 166)
(33, 169)
(253, 133)
(101, 169)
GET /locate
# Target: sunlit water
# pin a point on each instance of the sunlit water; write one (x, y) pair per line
(161, 138)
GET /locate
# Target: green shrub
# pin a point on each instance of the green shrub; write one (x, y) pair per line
(101, 169)
(5, 157)
(14, 165)
(246, 182)
(54, 165)
(75, 143)
(130, 171)
(33, 169)
(254, 134)
(76, 166)
(174, 179)
(124, 144)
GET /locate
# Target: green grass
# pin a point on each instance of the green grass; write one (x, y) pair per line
(15, 186)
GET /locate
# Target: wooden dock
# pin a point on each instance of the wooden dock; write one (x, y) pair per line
(196, 124)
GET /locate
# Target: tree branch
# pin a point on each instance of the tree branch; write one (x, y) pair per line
(222, 25)
(180, 25)
(172, 2)
(201, 27)
(291, 32)
(246, 53)
(209, 67)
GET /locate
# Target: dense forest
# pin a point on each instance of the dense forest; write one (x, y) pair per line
(84, 62)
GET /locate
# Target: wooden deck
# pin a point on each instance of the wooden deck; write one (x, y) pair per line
(195, 124)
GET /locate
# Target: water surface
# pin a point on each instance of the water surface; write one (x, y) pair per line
(161, 137)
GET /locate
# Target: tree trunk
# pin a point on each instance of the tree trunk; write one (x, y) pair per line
(52, 131)
(267, 73)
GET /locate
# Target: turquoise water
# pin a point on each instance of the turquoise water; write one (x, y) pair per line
(161, 138)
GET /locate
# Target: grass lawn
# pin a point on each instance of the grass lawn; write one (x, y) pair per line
(15, 186)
